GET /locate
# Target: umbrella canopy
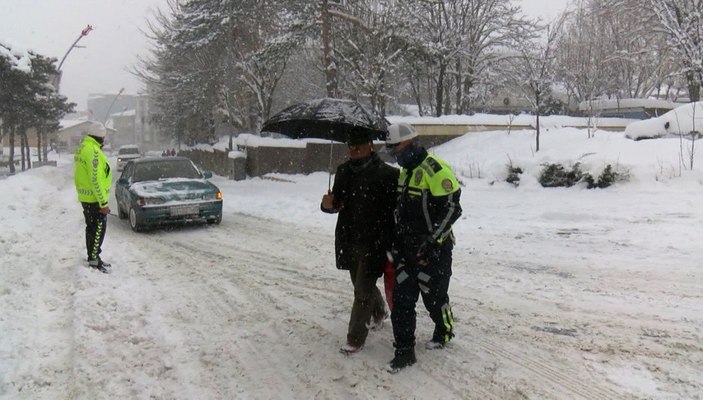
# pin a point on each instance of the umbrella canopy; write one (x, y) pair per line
(327, 118)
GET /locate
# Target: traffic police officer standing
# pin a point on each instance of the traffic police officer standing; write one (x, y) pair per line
(428, 205)
(93, 178)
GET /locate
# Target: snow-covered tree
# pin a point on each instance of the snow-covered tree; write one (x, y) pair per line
(455, 42)
(27, 98)
(637, 56)
(366, 51)
(533, 71)
(219, 62)
(175, 76)
(682, 22)
(610, 49)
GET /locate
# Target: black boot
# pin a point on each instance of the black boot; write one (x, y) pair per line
(99, 265)
(404, 357)
(439, 339)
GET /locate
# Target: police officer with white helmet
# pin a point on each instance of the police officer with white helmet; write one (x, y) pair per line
(428, 205)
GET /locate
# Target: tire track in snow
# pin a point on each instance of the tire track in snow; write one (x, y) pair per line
(300, 283)
(541, 369)
(267, 347)
(458, 383)
(295, 308)
(605, 323)
(533, 367)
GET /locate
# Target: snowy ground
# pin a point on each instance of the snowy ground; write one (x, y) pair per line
(557, 293)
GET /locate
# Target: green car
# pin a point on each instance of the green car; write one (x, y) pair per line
(164, 190)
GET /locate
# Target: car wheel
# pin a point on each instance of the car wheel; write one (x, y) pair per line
(215, 221)
(134, 222)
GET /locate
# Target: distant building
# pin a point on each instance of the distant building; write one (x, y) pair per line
(506, 102)
(130, 117)
(123, 124)
(71, 133)
(101, 105)
(626, 108)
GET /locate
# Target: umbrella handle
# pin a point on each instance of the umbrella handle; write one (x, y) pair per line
(329, 169)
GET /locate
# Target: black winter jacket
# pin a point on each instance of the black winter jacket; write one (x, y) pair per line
(365, 197)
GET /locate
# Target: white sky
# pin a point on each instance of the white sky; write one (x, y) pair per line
(51, 26)
(557, 293)
(546, 10)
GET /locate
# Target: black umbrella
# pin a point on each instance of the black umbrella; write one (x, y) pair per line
(327, 118)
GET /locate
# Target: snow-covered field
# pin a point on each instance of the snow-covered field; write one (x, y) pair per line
(558, 293)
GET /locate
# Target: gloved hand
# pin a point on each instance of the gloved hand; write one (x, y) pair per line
(328, 200)
(428, 252)
(327, 203)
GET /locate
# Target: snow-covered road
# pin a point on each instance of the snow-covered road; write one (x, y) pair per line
(251, 309)
(552, 301)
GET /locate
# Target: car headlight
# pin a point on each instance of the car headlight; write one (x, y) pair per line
(212, 196)
(149, 201)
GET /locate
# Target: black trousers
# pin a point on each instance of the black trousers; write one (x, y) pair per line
(432, 283)
(95, 227)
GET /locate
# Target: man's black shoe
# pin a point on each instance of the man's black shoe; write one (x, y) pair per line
(404, 357)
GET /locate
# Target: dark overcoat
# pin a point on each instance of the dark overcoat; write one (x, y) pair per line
(365, 197)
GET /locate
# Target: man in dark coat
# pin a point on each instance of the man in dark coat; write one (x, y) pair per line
(364, 196)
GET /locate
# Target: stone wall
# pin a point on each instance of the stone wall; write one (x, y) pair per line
(262, 160)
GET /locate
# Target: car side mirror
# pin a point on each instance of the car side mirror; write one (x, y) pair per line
(207, 174)
(123, 181)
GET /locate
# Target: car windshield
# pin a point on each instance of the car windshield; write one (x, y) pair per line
(152, 171)
(129, 150)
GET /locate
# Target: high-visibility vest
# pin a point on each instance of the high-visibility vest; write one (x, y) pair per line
(92, 174)
(428, 200)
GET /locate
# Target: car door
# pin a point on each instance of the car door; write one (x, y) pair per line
(122, 186)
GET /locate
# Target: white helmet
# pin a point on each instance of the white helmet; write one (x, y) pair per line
(96, 129)
(400, 132)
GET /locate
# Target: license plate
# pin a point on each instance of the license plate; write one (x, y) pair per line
(179, 211)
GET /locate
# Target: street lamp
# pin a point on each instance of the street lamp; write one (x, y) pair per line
(107, 114)
(57, 78)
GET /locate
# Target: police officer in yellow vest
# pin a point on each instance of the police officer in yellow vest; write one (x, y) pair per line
(428, 205)
(93, 178)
